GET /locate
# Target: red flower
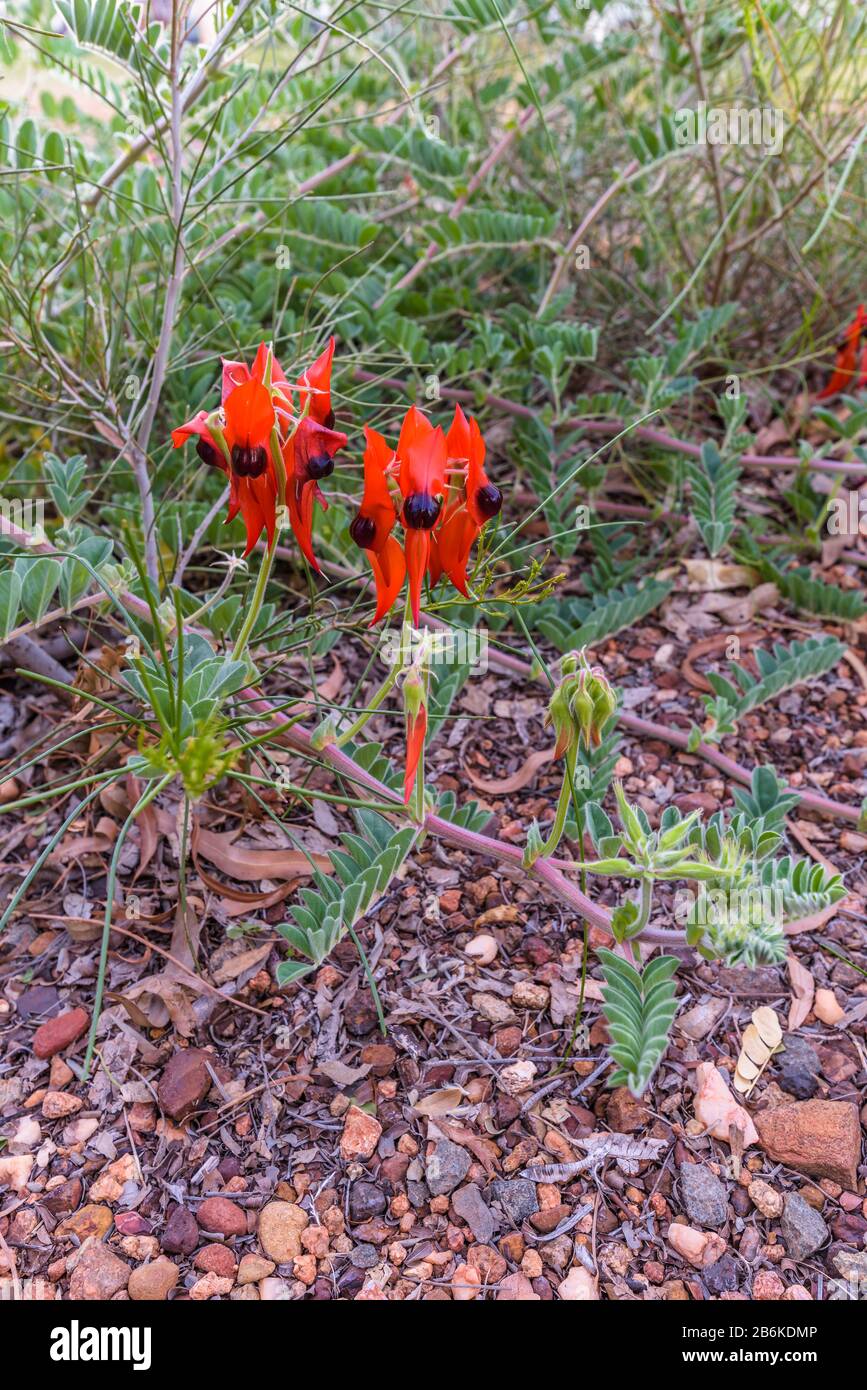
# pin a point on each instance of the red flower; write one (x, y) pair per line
(436, 485)
(308, 453)
(846, 362)
(239, 440)
(415, 715)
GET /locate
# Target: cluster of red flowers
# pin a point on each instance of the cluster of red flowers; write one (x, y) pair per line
(276, 442)
(436, 486)
(850, 364)
(256, 422)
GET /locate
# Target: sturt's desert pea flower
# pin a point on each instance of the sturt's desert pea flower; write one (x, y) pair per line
(850, 364)
(435, 485)
(271, 452)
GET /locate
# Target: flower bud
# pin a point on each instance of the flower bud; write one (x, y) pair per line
(581, 704)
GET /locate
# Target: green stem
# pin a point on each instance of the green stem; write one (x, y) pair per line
(144, 800)
(258, 599)
(370, 980)
(563, 803)
(372, 706)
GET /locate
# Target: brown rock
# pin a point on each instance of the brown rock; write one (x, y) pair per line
(253, 1268)
(181, 1235)
(516, 1288)
(818, 1137)
(379, 1057)
(625, 1114)
(222, 1216)
(361, 1134)
(89, 1222)
(768, 1286)
(280, 1227)
(59, 1032)
(153, 1282)
(210, 1286)
(64, 1198)
(489, 1262)
(185, 1082)
(216, 1259)
(98, 1273)
(549, 1219)
(57, 1105)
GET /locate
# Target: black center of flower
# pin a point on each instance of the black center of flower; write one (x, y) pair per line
(320, 466)
(248, 462)
(362, 529)
(489, 500)
(420, 511)
(329, 420)
(207, 453)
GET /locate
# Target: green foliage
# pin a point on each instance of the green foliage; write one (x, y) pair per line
(579, 622)
(768, 801)
(330, 909)
(639, 1010)
(780, 669)
(713, 484)
(810, 595)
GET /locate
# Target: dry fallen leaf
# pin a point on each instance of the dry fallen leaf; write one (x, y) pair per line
(803, 989)
(442, 1102)
(716, 1108)
(762, 1038)
(502, 786)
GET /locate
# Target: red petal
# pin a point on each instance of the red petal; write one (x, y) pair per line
(415, 735)
(318, 379)
(249, 415)
(389, 571)
(417, 547)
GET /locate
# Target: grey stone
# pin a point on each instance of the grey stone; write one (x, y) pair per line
(799, 1067)
(364, 1256)
(471, 1207)
(517, 1197)
(446, 1167)
(703, 1195)
(802, 1227)
(417, 1193)
(721, 1277)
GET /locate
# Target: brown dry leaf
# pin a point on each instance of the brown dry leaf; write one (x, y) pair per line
(803, 990)
(159, 1000)
(762, 1038)
(815, 921)
(251, 865)
(341, 1074)
(237, 965)
(502, 786)
(77, 846)
(441, 1102)
(716, 1108)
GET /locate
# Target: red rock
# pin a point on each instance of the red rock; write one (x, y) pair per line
(549, 1219)
(185, 1082)
(626, 1114)
(818, 1137)
(489, 1262)
(220, 1215)
(59, 1032)
(98, 1274)
(768, 1286)
(361, 1134)
(181, 1234)
(63, 1198)
(216, 1259)
(379, 1057)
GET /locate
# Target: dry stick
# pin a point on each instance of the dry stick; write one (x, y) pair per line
(575, 240)
(493, 157)
(170, 304)
(612, 427)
